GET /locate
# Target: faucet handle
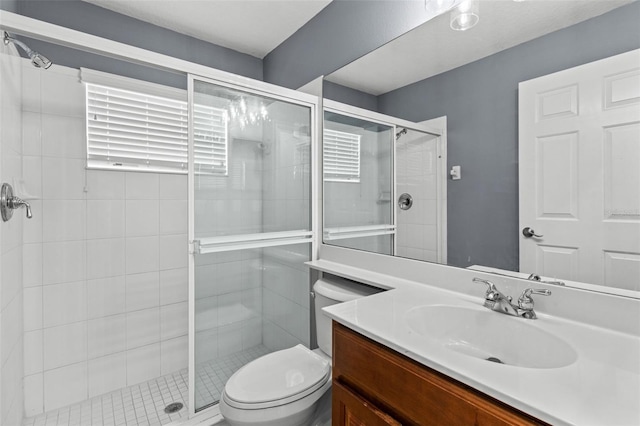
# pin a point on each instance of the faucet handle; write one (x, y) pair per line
(525, 301)
(492, 291)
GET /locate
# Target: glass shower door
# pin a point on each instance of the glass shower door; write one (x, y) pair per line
(250, 227)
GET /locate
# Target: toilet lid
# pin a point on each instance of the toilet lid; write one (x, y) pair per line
(280, 375)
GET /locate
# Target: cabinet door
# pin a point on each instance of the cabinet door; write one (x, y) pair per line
(350, 409)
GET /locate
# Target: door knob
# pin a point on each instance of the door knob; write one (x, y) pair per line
(528, 233)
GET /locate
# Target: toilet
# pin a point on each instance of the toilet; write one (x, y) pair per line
(284, 388)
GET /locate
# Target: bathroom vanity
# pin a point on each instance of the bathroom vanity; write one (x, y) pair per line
(374, 385)
(420, 354)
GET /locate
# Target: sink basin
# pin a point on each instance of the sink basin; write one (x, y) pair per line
(490, 336)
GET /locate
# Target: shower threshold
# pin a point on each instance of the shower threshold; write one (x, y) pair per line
(145, 403)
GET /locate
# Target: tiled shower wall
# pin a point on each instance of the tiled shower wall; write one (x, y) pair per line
(11, 348)
(416, 174)
(105, 258)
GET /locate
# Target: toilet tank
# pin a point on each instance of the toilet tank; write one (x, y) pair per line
(329, 291)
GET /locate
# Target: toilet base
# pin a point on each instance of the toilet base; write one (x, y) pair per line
(298, 413)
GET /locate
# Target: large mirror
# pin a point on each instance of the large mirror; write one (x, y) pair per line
(524, 72)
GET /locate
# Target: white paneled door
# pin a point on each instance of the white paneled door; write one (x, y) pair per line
(579, 153)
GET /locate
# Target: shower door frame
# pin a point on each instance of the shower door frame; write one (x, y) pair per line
(259, 88)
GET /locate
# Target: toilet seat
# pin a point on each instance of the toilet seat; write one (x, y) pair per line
(277, 379)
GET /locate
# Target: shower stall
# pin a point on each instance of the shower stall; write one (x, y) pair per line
(157, 261)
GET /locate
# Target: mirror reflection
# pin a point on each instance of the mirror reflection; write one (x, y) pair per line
(357, 168)
(514, 91)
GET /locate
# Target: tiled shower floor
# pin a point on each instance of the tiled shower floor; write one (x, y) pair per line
(143, 404)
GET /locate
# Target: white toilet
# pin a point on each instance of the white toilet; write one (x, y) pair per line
(285, 387)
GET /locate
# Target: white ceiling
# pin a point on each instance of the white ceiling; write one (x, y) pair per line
(434, 48)
(255, 27)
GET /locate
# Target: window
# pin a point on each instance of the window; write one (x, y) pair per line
(341, 156)
(136, 131)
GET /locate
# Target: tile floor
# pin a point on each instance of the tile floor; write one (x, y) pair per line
(143, 404)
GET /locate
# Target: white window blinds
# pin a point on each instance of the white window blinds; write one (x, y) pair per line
(341, 156)
(137, 131)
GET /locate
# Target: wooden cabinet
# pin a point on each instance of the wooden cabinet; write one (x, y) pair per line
(374, 385)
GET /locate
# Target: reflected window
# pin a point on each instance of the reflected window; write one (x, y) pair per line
(341, 156)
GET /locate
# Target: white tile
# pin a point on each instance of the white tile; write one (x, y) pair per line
(33, 395)
(32, 308)
(173, 187)
(206, 345)
(205, 280)
(31, 86)
(206, 313)
(143, 291)
(252, 333)
(174, 251)
(143, 364)
(173, 217)
(33, 232)
(106, 296)
(252, 301)
(230, 308)
(11, 276)
(31, 177)
(63, 178)
(64, 303)
(229, 339)
(63, 220)
(106, 335)
(105, 185)
(105, 219)
(65, 386)
(143, 327)
(31, 128)
(63, 136)
(33, 352)
(142, 254)
(62, 94)
(64, 345)
(142, 218)
(107, 374)
(174, 286)
(174, 320)
(105, 258)
(174, 355)
(142, 186)
(63, 262)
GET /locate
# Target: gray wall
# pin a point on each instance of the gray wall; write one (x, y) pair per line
(98, 21)
(480, 102)
(349, 96)
(9, 5)
(342, 32)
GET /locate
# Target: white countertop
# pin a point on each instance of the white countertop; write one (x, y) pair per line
(602, 387)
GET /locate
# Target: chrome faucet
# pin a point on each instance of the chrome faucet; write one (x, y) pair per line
(496, 301)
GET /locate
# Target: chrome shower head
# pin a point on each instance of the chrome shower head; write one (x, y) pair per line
(38, 60)
(400, 133)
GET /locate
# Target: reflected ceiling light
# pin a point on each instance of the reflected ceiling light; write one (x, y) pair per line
(465, 15)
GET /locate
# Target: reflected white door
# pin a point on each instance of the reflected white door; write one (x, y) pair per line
(579, 154)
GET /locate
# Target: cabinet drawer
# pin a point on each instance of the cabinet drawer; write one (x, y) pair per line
(409, 391)
(350, 409)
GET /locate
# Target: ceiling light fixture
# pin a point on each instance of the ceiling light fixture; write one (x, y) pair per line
(465, 15)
